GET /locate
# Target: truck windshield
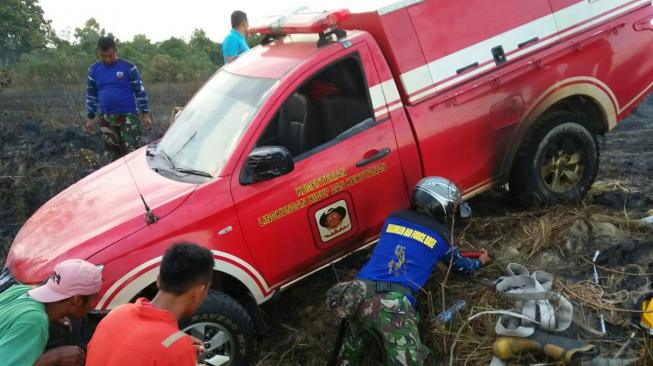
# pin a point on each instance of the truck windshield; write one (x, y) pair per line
(207, 130)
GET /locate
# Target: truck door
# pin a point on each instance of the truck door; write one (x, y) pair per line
(347, 174)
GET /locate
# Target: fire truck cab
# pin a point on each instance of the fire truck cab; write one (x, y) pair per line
(291, 156)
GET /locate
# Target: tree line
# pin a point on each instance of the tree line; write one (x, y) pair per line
(31, 52)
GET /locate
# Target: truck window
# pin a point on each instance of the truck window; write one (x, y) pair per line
(321, 110)
(207, 130)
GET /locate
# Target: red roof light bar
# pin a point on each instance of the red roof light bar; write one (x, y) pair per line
(300, 22)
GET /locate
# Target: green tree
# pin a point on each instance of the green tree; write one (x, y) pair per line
(173, 47)
(88, 36)
(129, 52)
(161, 68)
(142, 44)
(139, 51)
(22, 29)
(172, 60)
(200, 44)
(254, 40)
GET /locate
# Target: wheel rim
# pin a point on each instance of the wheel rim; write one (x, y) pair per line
(218, 342)
(563, 164)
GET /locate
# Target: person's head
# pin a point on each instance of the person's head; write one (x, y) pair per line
(186, 272)
(333, 217)
(239, 21)
(439, 198)
(107, 50)
(72, 288)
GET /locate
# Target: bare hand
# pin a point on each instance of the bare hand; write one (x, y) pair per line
(485, 257)
(147, 121)
(90, 125)
(63, 356)
(199, 345)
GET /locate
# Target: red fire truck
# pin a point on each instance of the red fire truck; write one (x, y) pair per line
(292, 156)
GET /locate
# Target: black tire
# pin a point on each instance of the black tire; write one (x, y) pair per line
(222, 315)
(557, 162)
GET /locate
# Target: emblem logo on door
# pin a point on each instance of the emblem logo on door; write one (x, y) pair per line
(333, 220)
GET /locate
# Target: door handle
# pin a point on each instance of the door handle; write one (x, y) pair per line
(378, 155)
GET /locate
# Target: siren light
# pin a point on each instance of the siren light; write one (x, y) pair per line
(300, 22)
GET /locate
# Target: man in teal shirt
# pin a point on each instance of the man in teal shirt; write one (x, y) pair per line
(26, 312)
(235, 43)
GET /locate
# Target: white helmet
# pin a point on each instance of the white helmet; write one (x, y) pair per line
(439, 197)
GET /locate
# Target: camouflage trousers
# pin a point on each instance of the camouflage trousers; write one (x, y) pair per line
(121, 133)
(391, 317)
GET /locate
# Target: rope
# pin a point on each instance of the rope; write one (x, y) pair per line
(644, 274)
(489, 312)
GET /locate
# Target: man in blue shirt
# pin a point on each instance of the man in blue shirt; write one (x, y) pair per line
(411, 244)
(235, 43)
(115, 86)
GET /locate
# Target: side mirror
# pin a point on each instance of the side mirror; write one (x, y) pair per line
(268, 162)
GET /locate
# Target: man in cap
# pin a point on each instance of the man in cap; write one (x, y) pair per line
(25, 314)
(381, 300)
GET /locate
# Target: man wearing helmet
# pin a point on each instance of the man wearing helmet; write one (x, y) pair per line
(412, 242)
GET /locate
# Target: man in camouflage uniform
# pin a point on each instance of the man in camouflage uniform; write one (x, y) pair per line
(115, 86)
(381, 300)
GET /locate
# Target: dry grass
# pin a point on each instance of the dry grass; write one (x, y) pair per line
(523, 238)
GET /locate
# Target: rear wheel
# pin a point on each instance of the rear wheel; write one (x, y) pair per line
(557, 162)
(225, 328)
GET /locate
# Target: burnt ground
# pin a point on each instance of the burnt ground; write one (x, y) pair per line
(43, 149)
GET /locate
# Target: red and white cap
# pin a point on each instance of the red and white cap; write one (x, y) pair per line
(69, 278)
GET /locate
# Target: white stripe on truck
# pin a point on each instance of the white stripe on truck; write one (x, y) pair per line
(440, 74)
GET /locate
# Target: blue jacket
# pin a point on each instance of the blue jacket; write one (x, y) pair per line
(233, 45)
(410, 246)
(117, 88)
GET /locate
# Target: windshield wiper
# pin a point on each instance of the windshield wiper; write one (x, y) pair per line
(172, 165)
(182, 170)
(193, 172)
(186, 143)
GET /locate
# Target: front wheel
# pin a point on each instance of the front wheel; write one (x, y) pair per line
(225, 328)
(557, 162)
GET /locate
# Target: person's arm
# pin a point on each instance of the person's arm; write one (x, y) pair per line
(142, 100)
(230, 49)
(184, 354)
(23, 344)
(91, 101)
(62, 356)
(459, 263)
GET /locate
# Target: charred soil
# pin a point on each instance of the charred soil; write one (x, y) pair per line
(43, 149)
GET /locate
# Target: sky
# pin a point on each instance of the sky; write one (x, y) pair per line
(162, 19)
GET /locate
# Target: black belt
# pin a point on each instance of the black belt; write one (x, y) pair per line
(379, 287)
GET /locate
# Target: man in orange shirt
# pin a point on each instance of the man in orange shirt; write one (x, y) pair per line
(146, 332)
